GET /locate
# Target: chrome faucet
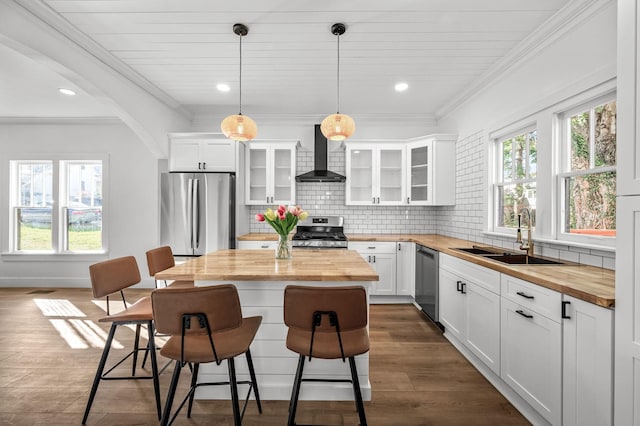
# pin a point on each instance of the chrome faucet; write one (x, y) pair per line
(529, 245)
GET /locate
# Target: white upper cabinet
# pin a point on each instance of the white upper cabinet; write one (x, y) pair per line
(201, 152)
(376, 173)
(431, 175)
(270, 172)
(421, 172)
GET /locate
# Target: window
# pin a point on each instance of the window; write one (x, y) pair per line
(587, 178)
(515, 185)
(56, 206)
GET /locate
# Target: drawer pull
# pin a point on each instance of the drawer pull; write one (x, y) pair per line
(523, 314)
(264, 246)
(526, 296)
(371, 247)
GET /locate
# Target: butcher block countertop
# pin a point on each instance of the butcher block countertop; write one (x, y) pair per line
(588, 283)
(261, 265)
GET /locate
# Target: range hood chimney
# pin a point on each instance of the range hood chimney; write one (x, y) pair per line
(320, 172)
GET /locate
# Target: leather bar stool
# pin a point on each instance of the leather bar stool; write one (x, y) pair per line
(158, 260)
(107, 278)
(206, 325)
(329, 323)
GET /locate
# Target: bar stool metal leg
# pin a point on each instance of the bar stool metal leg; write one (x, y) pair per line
(172, 391)
(295, 393)
(357, 393)
(237, 421)
(154, 367)
(194, 382)
(254, 382)
(96, 380)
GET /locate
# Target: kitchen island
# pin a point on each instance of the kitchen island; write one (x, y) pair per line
(261, 280)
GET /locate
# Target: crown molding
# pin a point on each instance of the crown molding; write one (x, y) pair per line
(571, 15)
(59, 120)
(50, 18)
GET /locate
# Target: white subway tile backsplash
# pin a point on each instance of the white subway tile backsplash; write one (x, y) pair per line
(465, 220)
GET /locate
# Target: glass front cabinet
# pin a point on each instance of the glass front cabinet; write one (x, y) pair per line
(376, 173)
(421, 172)
(431, 175)
(270, 172)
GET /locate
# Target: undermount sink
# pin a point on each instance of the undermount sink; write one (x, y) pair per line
(478, 250)
(508, 257)
(523, 259)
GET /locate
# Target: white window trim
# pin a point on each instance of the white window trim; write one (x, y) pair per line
(592, 241)
(58, 252)
(495, 140)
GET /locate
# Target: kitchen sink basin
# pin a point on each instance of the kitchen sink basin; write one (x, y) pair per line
(508, 257)
(478, 250)
(522, 259)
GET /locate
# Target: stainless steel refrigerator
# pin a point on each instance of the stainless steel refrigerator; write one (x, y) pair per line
(197, 212)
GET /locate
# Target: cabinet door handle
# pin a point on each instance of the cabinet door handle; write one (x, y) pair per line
(458, 285)
(204, 166)
(199, 166)
(408, 200)
(523, 314)
(369, 257)
(378, 200)
(525, 295)
(463, 287)
(374, 259)
(373, 200)
(399, 247)
(564, 309)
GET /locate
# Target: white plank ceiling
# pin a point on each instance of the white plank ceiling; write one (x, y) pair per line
(186, 47)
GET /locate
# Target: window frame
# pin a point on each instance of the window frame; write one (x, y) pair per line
(498, 180)
(59, 189)
(564, 172)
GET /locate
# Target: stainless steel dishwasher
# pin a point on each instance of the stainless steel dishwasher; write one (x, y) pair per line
(427, 283)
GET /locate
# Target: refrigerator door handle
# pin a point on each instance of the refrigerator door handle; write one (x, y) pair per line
(190, 211)
(196, 214)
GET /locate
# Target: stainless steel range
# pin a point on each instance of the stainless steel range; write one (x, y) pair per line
(321, 232)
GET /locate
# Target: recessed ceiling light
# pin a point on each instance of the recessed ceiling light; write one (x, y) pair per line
(67, 92)
(223, 87)
(401, 87)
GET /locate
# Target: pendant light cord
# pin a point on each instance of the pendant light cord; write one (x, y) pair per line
(240, 101)
(338, 79)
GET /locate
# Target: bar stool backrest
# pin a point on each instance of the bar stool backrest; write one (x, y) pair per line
(159, 259)
(349, 303)
(220, 304)
(113, 275)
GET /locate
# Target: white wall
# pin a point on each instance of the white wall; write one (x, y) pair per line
(132, 190)
(580, 59)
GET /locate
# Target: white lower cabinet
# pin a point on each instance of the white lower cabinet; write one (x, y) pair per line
(587, 365)
(470, 307)
(531, 358)
(531, 345)
(406, 269)
(552, 350)
(249, 245)
(382, 256)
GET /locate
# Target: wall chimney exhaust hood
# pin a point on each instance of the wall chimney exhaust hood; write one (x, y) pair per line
(320, 153)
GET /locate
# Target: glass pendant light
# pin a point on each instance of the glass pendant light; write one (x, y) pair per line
(338, 127)
(239, 127)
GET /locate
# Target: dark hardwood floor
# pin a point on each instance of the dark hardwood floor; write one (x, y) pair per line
(417, 377)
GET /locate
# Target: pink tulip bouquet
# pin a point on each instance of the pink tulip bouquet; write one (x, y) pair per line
(283, 220)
